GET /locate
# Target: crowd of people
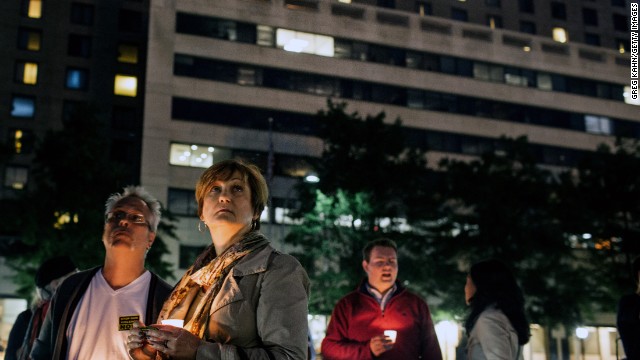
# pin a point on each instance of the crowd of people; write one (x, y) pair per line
(243, 299)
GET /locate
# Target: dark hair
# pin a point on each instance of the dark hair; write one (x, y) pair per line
(52, 269)
(223, 170)
(384, 242)
(635, 266)
(496, 285)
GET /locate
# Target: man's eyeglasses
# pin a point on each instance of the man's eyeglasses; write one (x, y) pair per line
(118, 216)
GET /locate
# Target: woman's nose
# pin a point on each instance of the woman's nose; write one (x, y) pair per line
(224, 196)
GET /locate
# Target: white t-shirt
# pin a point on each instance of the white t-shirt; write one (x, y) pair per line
(98, 327)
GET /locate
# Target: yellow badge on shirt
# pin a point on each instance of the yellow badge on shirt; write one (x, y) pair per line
(126, 322)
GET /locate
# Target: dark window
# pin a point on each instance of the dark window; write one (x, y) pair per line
(620, 22)
(492, 3)
(391, 4)
(558, 10)
(29, 39)
(216, 28)
(590, 17)
(459, 14)
(592, 39)
(126, 119)
(182, 202)
(527, 27)
(130, 21)
(82, 14)
(526, 6)
(79, 45)
(72, 108)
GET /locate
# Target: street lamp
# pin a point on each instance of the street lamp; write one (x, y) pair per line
(582, 333)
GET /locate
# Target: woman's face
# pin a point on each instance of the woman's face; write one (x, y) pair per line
(228, 203)
(469, 290)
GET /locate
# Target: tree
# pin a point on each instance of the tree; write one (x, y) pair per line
(62, 212)
(372, 185)
(332, 236)
(601, 199)
(503, 205)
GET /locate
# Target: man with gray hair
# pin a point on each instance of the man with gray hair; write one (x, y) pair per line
(92, 310)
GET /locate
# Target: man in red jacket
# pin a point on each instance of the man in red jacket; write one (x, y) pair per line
(357, 327)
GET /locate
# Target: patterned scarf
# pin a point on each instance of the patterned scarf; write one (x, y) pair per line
(208, 271)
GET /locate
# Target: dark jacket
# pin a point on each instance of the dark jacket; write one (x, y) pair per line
(629, 325)
(52, 342)
(357, 318)
(17, 334)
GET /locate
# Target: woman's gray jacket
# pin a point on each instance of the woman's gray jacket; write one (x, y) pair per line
(493, 338)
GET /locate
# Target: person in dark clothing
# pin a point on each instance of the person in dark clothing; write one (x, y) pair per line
(48, 277)
(628, 320)
(16, 336)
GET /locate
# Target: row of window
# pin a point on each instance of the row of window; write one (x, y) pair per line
(191, 66)
(297, 41)
(558, 11)
(30, 39)
(284, 121)
(24, 106)
(83, 14)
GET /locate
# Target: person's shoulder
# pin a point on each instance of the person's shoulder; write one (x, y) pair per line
(492, 315)
(279, 257)
(78, 277)
(403, 292)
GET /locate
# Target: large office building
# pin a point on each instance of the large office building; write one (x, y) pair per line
(205, 80)
(459, 74)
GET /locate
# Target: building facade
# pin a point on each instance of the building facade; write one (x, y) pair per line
(245, 79)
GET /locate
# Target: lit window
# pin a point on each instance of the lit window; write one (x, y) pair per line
(126, 85)
(560, 35)
(23, 107)
(544, 82)
(32, 8)
(77, 79)
(17, 141)
(29, 39)
(301, 42)
(21, 141)
(128, 54)
(192, 155)
(630, 97)
(15, 177)
(27, 73)
(597, 124)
